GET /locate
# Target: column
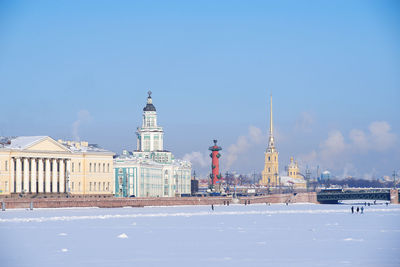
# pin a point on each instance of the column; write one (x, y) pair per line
(68, 180)
(26, 176)
(33, 176)
(41, 176)
(12, 175)
(54, 180)
(18, 174)
(47, 179)
(62, 173)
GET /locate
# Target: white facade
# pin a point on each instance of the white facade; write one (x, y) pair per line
(151, 171)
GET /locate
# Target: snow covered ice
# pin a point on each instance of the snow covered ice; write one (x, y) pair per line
(235, 235)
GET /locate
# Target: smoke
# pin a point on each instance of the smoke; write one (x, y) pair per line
(83, 117)
(197, 158)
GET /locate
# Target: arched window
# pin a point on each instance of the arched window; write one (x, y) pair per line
(90, 168)
(269, 158)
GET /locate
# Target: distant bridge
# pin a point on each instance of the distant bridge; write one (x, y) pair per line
(334, 196)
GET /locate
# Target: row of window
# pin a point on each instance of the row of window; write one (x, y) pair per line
(99, 186)
(5, 165)
(93, 167)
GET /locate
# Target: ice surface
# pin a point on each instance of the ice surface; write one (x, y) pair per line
(235, 235)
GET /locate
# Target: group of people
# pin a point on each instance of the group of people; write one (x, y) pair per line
(357, 209)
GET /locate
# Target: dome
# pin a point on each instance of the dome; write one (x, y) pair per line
(149, 106)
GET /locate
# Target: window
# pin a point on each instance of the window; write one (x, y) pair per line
(90, 167)
(6, 165)
(98, 186)
(108, 167)
(269, 158)
(72, 186)
(90, 186)
(73, 167)
(6, 186)
(94, 167)
(108, 186)
(94, 187)
(104, 186)
(269, 169)
(79, 186)
(104, 167)
(79, 167)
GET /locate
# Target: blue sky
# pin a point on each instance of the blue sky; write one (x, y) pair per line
(82, 68)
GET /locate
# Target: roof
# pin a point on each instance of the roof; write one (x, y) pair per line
(20, 142)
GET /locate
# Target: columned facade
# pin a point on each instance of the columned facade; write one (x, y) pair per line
(38, 175)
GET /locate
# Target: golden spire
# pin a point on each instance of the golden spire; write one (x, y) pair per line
(270, 119)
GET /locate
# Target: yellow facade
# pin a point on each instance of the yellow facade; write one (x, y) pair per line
(270, 174)
(293, 170)
(41, 165)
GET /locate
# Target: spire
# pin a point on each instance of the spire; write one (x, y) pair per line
(270, 120)
(271, 146)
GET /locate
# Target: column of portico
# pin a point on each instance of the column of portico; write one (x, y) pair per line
(54, 178)
(40, 176)
(68, 180)
(26, 176)
(33, 176)
(62, 175)
(18, 175)
(47, 174)
(12, 176)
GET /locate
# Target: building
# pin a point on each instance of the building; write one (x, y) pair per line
(40, 165)
(151, 171)
(294, 178)
(270, 174)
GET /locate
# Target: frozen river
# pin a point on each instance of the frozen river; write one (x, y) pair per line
(235, 235)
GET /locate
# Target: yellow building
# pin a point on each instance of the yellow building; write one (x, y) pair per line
(270, 174)
(293, 179)
(293, 169)
(41, 165)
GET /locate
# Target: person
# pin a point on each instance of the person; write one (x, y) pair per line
(352, 209)
(362, 210)
(227, 203)
(387, 203)
(212, 206)
(358, 209)
(369, 204)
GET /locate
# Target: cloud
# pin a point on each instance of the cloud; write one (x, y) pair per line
(381, 137)
(338, 153)
(232, 153)
(305, 122)
(83, 117)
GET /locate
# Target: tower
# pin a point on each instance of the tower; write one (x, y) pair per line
(293, 169)
(150, 135)
(270, 174)
(215, 155)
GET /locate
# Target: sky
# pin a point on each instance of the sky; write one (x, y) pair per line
(81, 70)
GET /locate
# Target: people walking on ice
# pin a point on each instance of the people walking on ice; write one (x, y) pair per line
(358, 209)
(352, 209)
(362, 210)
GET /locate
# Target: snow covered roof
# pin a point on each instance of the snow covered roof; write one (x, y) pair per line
(20, 142)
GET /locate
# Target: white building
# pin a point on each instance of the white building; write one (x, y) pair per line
(151, 171)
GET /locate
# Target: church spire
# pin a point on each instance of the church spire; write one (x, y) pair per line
(270, 120)
(271, 145)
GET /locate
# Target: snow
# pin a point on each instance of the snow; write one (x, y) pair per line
(235, 235)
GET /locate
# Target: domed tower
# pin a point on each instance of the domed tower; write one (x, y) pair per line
(150, 135)
(270, 174)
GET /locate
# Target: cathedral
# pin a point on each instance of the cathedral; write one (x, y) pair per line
(270, 174)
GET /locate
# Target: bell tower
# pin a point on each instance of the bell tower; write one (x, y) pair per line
(270, 174)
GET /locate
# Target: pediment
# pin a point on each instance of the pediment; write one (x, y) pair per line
(47, 144)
